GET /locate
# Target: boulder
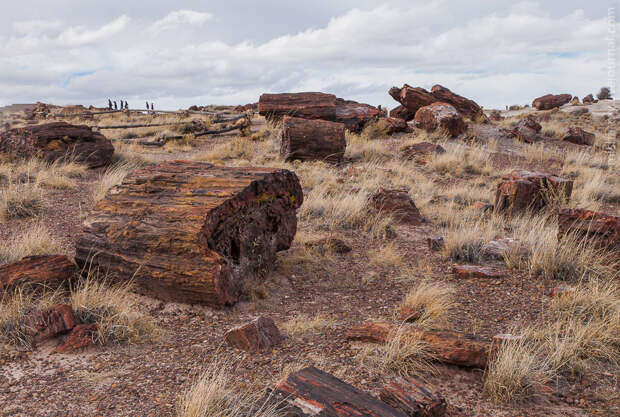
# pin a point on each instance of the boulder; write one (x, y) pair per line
(550, 101)
(527, 130)
(81, 336)
(497, 247)
(394, 125)
(355, 115)
(56, 141)
(46, 324)
(308, 140)
(311, 392)
(601, 228)
(419, 151)
(190, 231)
(589, 99)
(464, 106)
(402, 112)
(396, 203)
(412, 98)
(48, 270)
(474, 271)
(522, 190)
(441, 116)
(579, 136)
(415, 399)
(259, 334)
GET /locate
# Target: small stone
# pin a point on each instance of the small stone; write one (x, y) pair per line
(473, 271)
(259, 334)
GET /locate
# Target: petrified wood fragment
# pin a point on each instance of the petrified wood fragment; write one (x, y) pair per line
(259, 334)
(601, 228)
(48, 270)
(303, 105)
(413, 398)
(308, 140)
(191, 231)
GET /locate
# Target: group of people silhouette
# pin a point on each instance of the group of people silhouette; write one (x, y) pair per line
(125, 105)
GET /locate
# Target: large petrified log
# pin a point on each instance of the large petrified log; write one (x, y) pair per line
(355, 115)
(48, 270)
(442, 116)
(550, 101)
(465, 106)
(402, 112)
(308, 140)
(445, 346)
(190, 231)
(579, 136)
(412, 98)
(413, 398)
(522, 190)
(317, 393)
(602, 228)
(53, 141)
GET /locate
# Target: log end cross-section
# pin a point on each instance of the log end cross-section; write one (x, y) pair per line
(192, 232)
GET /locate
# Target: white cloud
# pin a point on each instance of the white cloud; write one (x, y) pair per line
(178, 18)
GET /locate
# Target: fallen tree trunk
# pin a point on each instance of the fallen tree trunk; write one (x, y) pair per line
(190, 231)
(303, 105)
(164, 140)
(47, 270)
(308, 140)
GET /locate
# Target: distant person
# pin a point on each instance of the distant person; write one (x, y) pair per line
(147, 105)
(109, 104)
(115, 107)
(152, 107)
(126, 105)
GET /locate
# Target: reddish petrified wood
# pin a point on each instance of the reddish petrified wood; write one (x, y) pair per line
(58, 140)
(308, 140)
(521, 190)
(602, 228)
(394, 125)
(259, 334)
(579, 136)
(445, 346)
(550, 101)
(589, 99)
(402, 112)
(441, 116)
(48, 270)
(409, 314)
(527, 130)
(355, 115)
(315, 392)
(412, 98)
(304, 105)
(80, 337)
(49, 323)
(464, 106)
(473, 271)
(413, 398)
(396, 203)
(191, 231)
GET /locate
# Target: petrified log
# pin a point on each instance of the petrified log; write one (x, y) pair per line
(527, 130)
(317, 393)
(579, 136)
(412, 98)
(355, 115)
(441, 116)
(550, 101)
(59, 319)
(394, 125)
(303, 105)
(413, 398)
(465, 106)
(59, 140)
(48, 270)
(80, 337)
(474, 271)
(308, 140)
(589, 99)
(259, 334)
(601, 228)
(402, 112)
(445, 346)
(522, 190)
(396, 203)
(190, 231)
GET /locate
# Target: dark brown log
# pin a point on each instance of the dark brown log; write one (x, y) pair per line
(355, 115)
(550, 101)
(48, 270)
(396, 203)
(579, 136)
(440, 116)
(308, 140)
(465, 106)
(401, 112)
(190, 231)
(413, 398)
(603, 229)
(414, 98)
(527, 130)
(303, 105)
(259, 334)
(317, 393)
(59, 140)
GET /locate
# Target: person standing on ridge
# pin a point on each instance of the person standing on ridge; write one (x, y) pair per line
(115, 107)
(109, 104)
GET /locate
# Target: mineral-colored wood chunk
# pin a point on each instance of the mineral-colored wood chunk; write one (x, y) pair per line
(308, 140)
(48, 270)
(315, 392)
(601, 228)
(303, 105)
(190, 231)
(413, 398)
(259, 334)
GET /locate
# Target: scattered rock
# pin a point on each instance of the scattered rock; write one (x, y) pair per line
(435, 243)
(496, 116)
(602, 228)
(409, 314)
(308, 140)
(464, 106)
(418, 151)
(522, 190)
(46, 324)
(81, 336)
(58, 140)
(415, 399)
(579, 136)
(48, 270)
(402, 112)
(474, 271)
(496, 248)
(259, 334)
(550, 101)
(191, 231)
(412, 98)
(355, 115)
(441, 116)
(396, 203)
(558, 290)
(527, 130)
(330, 244)
(311, 392)
(589, 99)
(394, 125)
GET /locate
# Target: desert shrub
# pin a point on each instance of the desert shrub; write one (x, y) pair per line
(32, 240)
(21, 201)
(374, 130)
(432, 299)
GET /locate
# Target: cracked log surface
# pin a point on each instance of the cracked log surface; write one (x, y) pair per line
(192, 232)
(308, 140)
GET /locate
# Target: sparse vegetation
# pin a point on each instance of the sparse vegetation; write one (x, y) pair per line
(35, 239)
(432, 300)
(112, 176)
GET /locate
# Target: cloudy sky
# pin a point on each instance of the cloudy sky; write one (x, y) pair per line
(178, 53)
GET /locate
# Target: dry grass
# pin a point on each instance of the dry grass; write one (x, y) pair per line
(113, 175)
(214, 395)
(33, 240)
(459, 160)
(386, 257)
(433, 300)
(303, 325)
(361, 148)
(21, 201)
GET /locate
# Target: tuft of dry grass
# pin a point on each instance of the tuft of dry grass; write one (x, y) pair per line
(460, 159)
(33, 240)
(386, 257)
(113, 175)
(21, 201)
(303, 325)
(361, 148)
(432, 299)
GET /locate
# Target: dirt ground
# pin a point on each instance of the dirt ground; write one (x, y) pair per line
(146, 380)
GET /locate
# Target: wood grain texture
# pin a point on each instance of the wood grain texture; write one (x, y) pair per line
(308, 140)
